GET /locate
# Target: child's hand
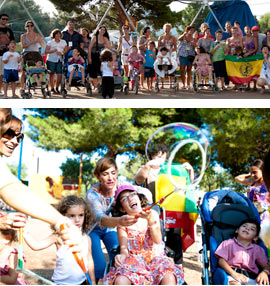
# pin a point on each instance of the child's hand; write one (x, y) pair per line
(240, 277)
(119, 259)
(149, 216)
(262, 278)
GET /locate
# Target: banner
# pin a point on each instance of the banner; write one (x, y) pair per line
(241, 71)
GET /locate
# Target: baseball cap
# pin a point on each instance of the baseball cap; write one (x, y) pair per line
(122, 188)
(255, 28)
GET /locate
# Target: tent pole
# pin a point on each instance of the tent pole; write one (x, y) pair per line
(32, 19)
(194, 19)
(2, 4)
(126, 14)
(105, 15)
(212, 12)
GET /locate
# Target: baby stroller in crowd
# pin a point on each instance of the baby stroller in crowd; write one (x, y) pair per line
(77, 76)
(34, 69)
(164, 69)
(221, 213)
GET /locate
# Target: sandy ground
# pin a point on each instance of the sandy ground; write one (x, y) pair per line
(165, 93)
(43, 262)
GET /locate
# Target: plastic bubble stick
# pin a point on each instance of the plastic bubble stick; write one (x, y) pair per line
(78, 257)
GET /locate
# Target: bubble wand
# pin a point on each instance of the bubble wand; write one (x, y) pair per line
(78, 257)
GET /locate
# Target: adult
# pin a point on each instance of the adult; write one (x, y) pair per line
(169, 41)
(6, 35)
(73, 38)
(16, 194)
(143, 42)
(147, 175)
(186, 53)
(255, 30)
(206, 41)
(228, 31)
(203, 28)
(266, 40)
(86, 39)
(234, 41)
(100, 198)
(249, 43)
(264, 78)
(55, 49)
(31, 42)
(126, 41)
(100, 41)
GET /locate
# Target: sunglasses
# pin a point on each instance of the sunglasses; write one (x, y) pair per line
(125, 198)
(29, 26)
(10, 134)
(4, 19)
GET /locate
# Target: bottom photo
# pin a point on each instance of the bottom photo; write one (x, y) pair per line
(134, 196)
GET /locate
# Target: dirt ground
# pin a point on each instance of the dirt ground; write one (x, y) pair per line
(43, 262)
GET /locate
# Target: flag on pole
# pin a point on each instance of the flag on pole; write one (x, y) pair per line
(181, 209)
(241, 71)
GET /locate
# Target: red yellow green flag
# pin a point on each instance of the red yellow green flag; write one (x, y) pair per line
(243, 70)
(181, 209)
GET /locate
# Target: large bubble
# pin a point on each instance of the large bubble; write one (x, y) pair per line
(188, 153)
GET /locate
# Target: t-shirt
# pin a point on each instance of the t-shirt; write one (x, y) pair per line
(12, 62)
(6, 177)
(219, 54)
(60, 46)
(205, 43)
(149, 58)
(75, 38)
(6, 35)
(260, 40)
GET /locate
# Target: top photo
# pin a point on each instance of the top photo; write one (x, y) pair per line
(122, 49)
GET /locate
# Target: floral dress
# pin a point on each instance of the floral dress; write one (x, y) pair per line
(4, 265)
(147, 263)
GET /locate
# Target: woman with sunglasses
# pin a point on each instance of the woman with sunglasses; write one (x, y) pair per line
(125, 42)
(17, 195)
(31, 42)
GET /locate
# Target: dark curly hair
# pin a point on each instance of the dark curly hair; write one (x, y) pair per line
(10, 232)
(71, 201)
(116, 212)
(154, 149)
(106, 55)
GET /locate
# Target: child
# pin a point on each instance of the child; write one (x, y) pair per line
(239, 52)
(40, 74)
(264, 78)
(135, 60)
(9, 259)
(149, 72)
(106, 58)
(75, 64)
(240, 257)
(239, 32)
(67, 270)
(219, 50)
(142, 259)
(115, 64)
(204, 65)
(11, 61)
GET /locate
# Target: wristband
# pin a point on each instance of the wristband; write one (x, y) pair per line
(266, 271)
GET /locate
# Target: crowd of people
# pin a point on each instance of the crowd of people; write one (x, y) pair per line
(201, 52)
(114, 212)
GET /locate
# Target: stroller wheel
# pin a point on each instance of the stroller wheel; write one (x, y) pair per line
(195, 88)
(126, 90)
(44, 93)
(64, 93)
(215, 89)
(49, 94)
(26, 95)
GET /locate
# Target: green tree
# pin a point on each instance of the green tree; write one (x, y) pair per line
(264, 22)
(14, 170)
(238, 136)
(108, 131)
(70, 170)
(18, 17)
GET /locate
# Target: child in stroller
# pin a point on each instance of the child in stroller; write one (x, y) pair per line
(241, 256)
(75, 64)
(36, 74)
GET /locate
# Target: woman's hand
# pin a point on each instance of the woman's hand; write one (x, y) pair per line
(119, 259)
(12, 221)
(127, 220)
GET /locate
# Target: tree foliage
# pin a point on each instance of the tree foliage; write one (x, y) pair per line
(238, 136)
(18, 17)
(264, 22)
(14, 170)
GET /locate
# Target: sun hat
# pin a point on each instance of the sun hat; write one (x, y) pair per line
(122, 188)
(255, 28)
